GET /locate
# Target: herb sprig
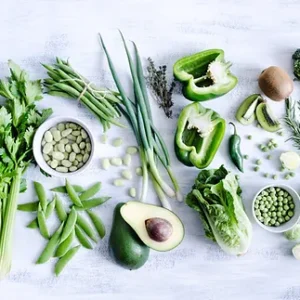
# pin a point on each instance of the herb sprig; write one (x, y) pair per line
(291, 119)
(162, 91)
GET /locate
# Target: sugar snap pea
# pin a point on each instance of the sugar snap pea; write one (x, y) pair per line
(64, 247)
(73, 195)
(60, 265)
(42, 224)
(82, 238)
(50, 248)
(29, 206)
(87, 204)
(98, 224)
(62, 189)
(60, 211)
(85, 226)
(70, 223)
(90, 192)
(40, 191)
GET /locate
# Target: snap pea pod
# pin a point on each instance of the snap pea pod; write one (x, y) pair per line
(90, 192)
(50, 248)
(70, 223)
(29, 206)
(82, 238)
(85, 226)
(73, 195)
(64, 247)
(50, 207)
(40, 191)
(60, 211)
(60, 265)
(62, 189)
(98, 224)
(87, 204)
(42, 224)
(234, 149)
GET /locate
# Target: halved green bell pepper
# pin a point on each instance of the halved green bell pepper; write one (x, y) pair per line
(205, 75)
(199, 134)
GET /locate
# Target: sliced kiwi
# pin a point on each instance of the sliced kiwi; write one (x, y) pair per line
(266, 118)
(246, 112)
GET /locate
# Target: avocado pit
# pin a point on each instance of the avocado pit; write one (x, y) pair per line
(159, 229)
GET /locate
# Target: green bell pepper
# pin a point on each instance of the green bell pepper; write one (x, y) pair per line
(199, 134)
(205, 75)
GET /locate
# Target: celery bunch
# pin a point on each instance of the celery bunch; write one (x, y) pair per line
(19, 119)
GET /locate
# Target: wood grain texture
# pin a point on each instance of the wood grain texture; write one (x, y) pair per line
(254, 35)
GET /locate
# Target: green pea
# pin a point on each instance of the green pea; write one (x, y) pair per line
(269, 198)
(265, 209)
(292, 206)
(280, 203)
(277, 224)
(289, 197)
(280, 193)
(292, 174)
(269, 157)
(257, 212)
(287, 218)
(259, 197)
(285, 200)
(249, 137)
(264, 198)
(280, 208)
(266, 175)
(275, 177)
(287, 177)
(283, 212)
(272, 221)
(286, 194)
(265, 215)
(280, 220)
(246, 157)
(290, 213)
(256, 169)
(273, 214)
(264, 149)
(279, 214)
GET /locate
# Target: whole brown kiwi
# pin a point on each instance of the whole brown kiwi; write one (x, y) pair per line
(275, 83)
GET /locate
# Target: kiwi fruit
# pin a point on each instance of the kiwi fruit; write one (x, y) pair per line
(275, 83)
(266, 118)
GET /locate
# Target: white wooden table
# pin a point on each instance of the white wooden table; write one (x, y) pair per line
(254, 34)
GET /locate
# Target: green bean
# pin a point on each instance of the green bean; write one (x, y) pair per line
(62, 189)
(90, 192)
(87, 204)
(29, 206)
(49, 250)
(72, 194)
(85, 226)
(82, 238)
(49, 209)
(70, 223)
(64, 247)
(40, 191)
(60, 211)
(60, 265)
(42, 224)
(98, 224)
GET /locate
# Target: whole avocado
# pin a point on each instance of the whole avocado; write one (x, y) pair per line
(125, 246)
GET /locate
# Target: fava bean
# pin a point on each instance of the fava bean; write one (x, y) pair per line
(79, 139)
(62, 169)
(82, 145)
(88, 147)
(71, 137)
(54, 164)
(75, 163)
(56, 135)
(68, 148)
(75, 148)
(48, 137)
(72, 156)
(47, 148)
(66, 132)
(66, 163)
(83, 134)
(79, 157)
(85, 157)
(127, 160)
(131, 150)
(76, 133)
(116, 161)
(46, 157)
(73, 169)
(57, 155)
(105, 163)
(61, 127)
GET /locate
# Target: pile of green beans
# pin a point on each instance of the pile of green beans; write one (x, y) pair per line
(274, 206)
(72, 225)
(65, 82)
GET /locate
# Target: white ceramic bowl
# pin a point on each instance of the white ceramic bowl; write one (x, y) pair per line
(289, 224)
(37, 145)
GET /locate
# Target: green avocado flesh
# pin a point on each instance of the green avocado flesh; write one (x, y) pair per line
(125, 246)
(158, 228)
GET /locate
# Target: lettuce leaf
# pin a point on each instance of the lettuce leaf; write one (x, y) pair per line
(216, 196)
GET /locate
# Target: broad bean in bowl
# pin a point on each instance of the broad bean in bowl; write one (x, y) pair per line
(276, 208)
(63, 146)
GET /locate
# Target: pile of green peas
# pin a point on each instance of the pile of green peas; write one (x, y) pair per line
(274, 206)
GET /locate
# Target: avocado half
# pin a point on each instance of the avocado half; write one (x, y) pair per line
(158, 228)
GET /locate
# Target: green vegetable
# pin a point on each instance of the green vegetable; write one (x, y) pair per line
(60, 211)
(246, 156)
(90, 192)
(246, 112)
(30, 206)
(234, 149)
(82, 238)
(50, 248)
(138, 113)
(198, 136)
(205, 75)
(98, 224)
(216, 195)
(42, 224)
(60, 265)
(126, 247)
(69, 226)
(85, 226)
(73, 195)
(266, 118)
(87, 204)
(296, 59)
(40, 191)
(65, 82)
(65, 245)
(293, 234)
(256, 169)
(19, 120)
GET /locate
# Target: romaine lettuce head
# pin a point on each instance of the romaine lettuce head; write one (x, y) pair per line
(216, 196)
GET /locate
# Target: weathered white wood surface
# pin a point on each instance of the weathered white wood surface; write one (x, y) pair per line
(254, 35)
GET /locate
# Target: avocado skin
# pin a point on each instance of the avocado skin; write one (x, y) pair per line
(125, 246)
